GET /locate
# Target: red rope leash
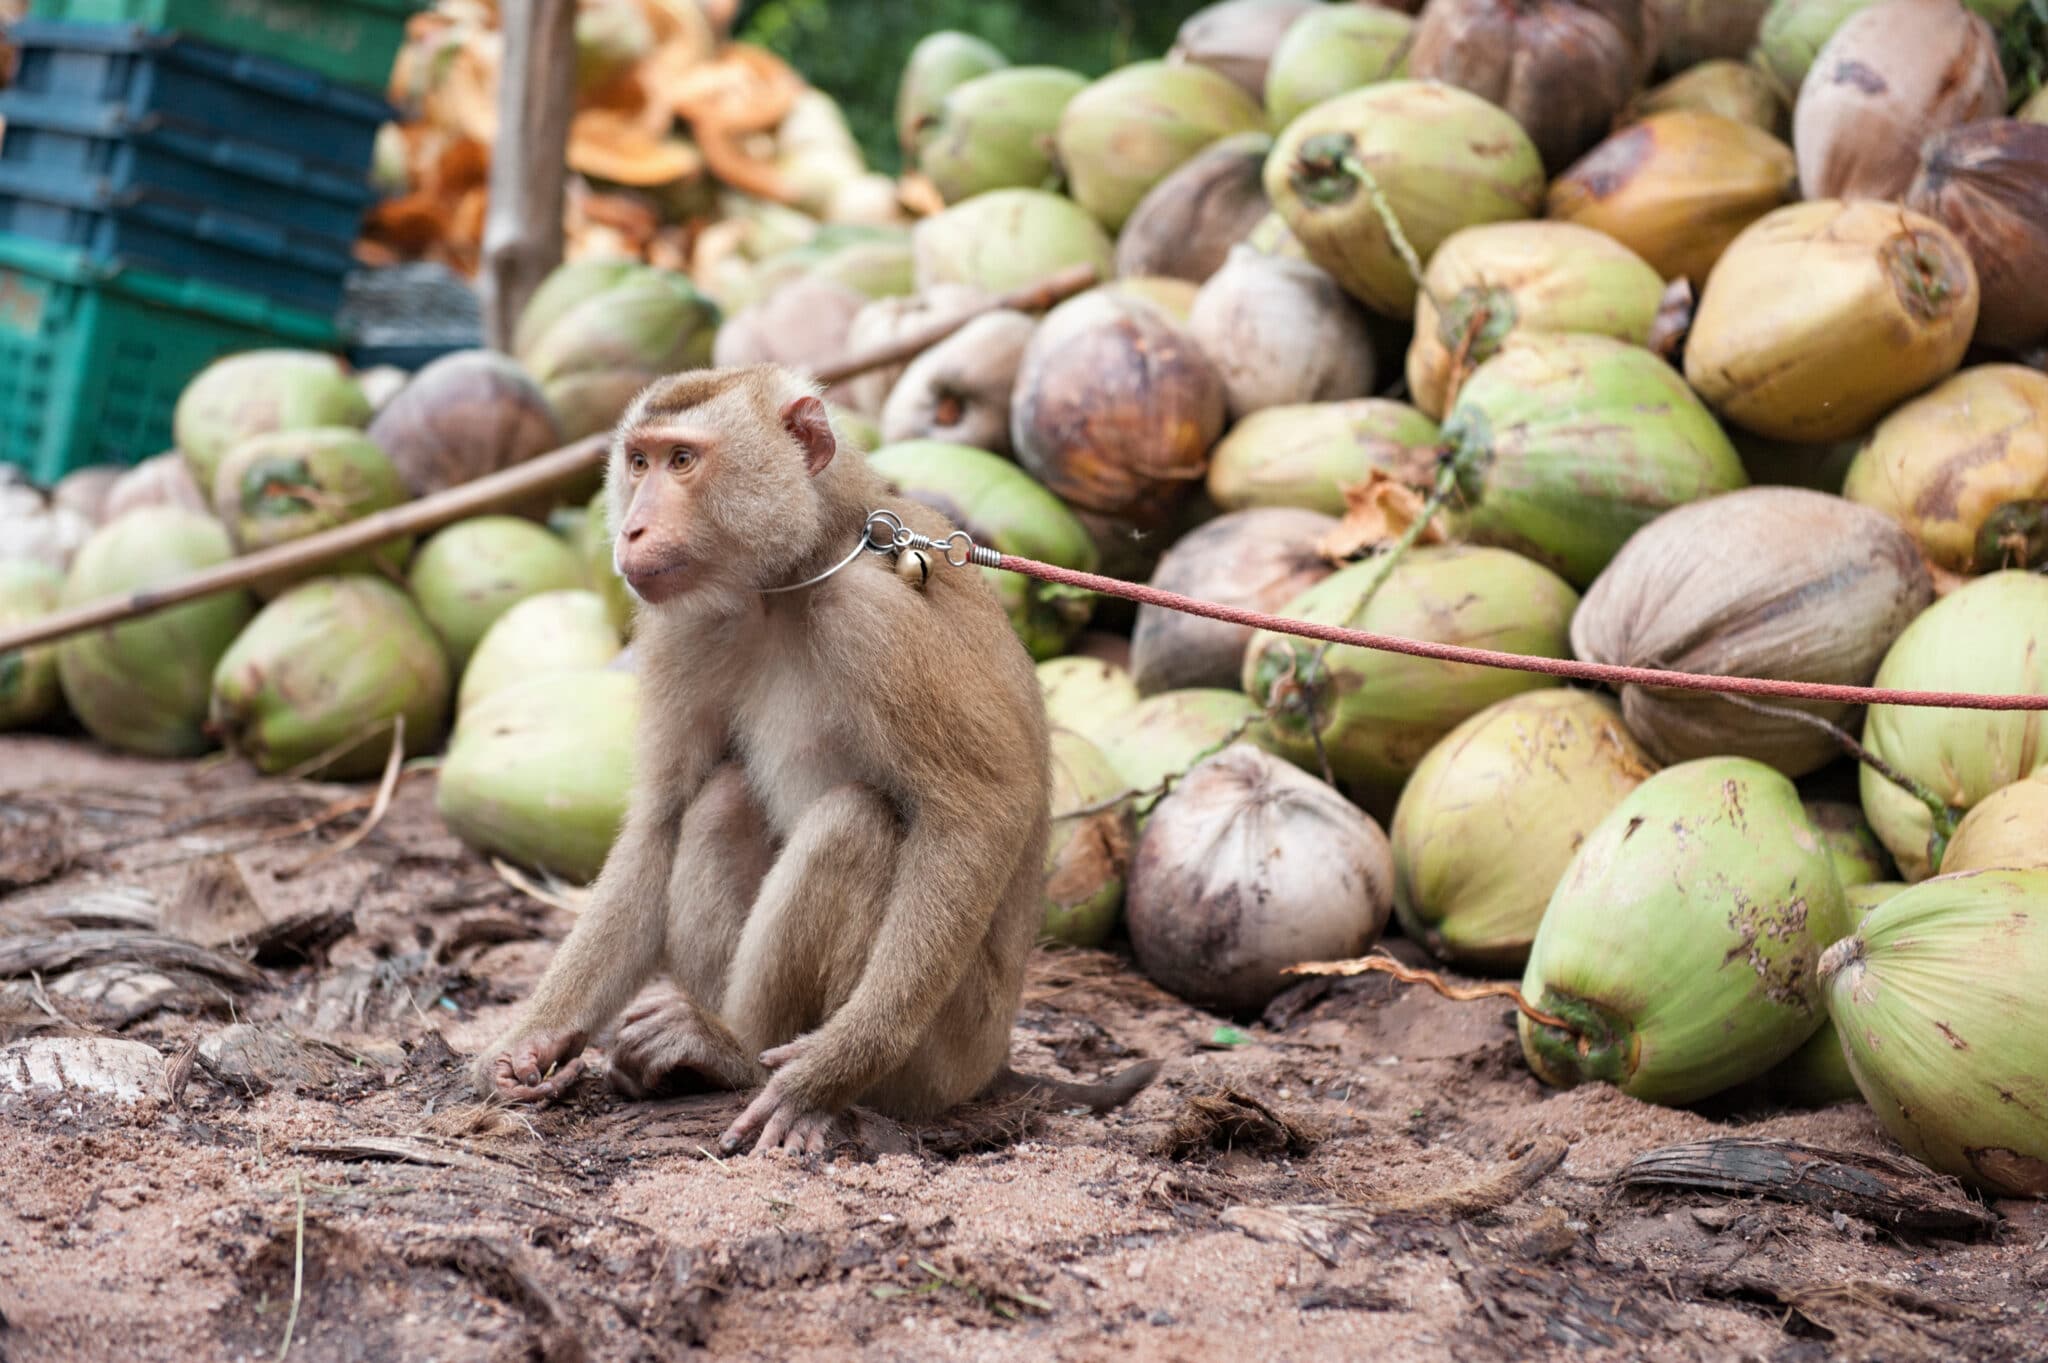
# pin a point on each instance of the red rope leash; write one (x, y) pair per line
(1519, 662)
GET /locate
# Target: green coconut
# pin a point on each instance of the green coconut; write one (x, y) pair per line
(1792, 34)
(1126, 131)
(1164, 735)
(1331, 50)
(1938, 999)
(1089, 852)
(1089, 696)
(539, 772)
(1729, 89)
(1379, 714)
(1491, 818)
(567, 286)
(143, 685)
(1304, 455)
(328, 667)
(1990, 635)
(995, 132)
(600, 349)
(257, 391)
(1817, 1074)
(1007, 239)
(28, 677)
(593, 545)
(1570, 443)
(469, 574)
(552, 632)
(1679, 949)
(1506, 278)
(1858, 857)
(940, 63)
(1443, 158)
(272, 489)
(1000, 506)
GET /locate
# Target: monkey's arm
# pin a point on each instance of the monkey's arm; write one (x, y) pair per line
(616, 943)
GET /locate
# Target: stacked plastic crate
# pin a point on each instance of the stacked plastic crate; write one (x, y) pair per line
(179, 179)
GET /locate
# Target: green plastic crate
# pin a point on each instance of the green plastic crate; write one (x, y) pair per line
(93, 356)
(352, 41)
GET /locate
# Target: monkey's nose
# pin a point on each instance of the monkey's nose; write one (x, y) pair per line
(634, 532)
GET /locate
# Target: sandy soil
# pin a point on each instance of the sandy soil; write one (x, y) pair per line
(1373, 1174)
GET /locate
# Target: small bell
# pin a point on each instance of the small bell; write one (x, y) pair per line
(914, 567)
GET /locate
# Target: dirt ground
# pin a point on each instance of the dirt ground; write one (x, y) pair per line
(1366, 1172)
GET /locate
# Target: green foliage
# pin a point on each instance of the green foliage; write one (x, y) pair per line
(856, 52)
(2023, 49)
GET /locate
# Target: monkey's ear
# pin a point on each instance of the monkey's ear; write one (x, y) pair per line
(805, 418)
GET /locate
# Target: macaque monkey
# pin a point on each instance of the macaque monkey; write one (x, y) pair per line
(833, 850)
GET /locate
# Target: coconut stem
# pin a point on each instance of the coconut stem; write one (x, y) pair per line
(1166, 782)
(1943, 815)
(1352, 166)
(1381, 964)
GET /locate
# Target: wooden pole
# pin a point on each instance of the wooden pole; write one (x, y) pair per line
(529, 161)
(479, 495)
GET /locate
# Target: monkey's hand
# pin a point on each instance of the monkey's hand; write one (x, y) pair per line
(530, 1069)
(783, 1114)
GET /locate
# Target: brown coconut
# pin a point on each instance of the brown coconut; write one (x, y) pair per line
(464, 415)
(1115, 408)
(887, 319)
(1281, 331)
(160, 480)
(1676, 188)
(1186, 224)
(1236, 38)
(1892, 76)
(1251, 865)
(803, 324)
(959, 390)
(1563, 68)
(1258, 559)
(1690, 32)
(1766, 582)
(1988, 183)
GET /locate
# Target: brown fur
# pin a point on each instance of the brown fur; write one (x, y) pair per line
(834, 847)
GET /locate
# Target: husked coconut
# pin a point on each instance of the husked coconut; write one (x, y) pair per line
(959, 390)
(1281, 331)
(1248, 867)
(1186, 224)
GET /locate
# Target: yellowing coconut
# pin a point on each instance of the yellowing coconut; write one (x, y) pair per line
(1504, 277)
(1087, 696)
(1494, 814)
(1937, 997)
(1677, 187)
(1943, 463)
(1823, 316)
(2007, 830)
(1889, 78)
(1128, 130)
(1731, 89)
(1332, 49)
(1090, 849)
(1305, 455)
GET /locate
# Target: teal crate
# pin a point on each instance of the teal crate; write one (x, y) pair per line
(352, 41)
(93, 357)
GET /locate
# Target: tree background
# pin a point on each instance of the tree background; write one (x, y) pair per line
(856, 52)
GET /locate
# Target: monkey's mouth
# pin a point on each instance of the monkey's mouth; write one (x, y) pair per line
(658, 584)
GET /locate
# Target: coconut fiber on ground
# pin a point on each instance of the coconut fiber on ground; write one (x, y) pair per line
(1372, 1174)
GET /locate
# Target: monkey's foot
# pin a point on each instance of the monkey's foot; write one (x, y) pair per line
(665, 1049)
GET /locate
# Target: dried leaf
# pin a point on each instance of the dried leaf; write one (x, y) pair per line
(1377, 511)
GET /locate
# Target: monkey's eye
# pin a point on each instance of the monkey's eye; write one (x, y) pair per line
(637, 462)
(681, 457)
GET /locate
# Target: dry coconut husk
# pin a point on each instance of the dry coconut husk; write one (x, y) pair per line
(1766, 582)
(1258, 559)
(1891, 77)
(802, 324)
(1563, 68)
(959, 390)
(1988, 183)
(1186, 224)
(1281, 331)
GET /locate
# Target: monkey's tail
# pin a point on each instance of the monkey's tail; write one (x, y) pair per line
(1113, 1093)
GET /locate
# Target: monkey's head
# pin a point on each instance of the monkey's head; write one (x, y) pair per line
(713, 482)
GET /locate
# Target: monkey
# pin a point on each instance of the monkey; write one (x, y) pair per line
(833, 846)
